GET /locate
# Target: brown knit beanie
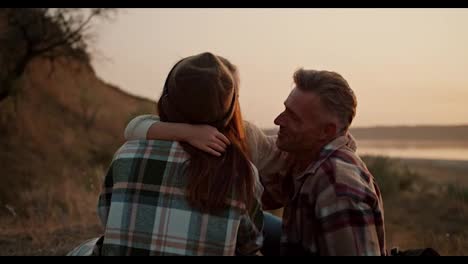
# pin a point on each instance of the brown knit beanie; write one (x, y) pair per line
(199, 89)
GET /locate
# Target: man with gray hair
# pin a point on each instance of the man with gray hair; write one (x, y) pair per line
(333, 205)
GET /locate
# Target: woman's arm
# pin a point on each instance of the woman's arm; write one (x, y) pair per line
(265, 154)
(138, 127)
(203, 137)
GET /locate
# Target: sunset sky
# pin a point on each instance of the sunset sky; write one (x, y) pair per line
(406, 66)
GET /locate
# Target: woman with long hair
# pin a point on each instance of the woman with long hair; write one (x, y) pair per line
(273, 165)
(164, 197)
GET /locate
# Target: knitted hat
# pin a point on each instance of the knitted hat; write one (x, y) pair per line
(200, 89)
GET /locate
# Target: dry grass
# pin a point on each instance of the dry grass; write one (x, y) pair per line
(51, 164)
(422, 212)
(56, 219)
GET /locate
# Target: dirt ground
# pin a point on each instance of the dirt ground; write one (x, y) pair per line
(55, 243)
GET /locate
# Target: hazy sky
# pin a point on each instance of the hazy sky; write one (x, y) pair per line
(406, 66)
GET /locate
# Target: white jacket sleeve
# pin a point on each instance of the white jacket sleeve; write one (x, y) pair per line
(138, 127)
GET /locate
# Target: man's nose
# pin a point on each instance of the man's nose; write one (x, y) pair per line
(278, 120)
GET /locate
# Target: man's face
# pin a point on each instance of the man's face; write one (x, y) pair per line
(303, 124)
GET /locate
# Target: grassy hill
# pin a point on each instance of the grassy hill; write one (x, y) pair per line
(57, 137)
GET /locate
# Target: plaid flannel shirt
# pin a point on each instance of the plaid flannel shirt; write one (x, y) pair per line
(144, 209)
(336, 207)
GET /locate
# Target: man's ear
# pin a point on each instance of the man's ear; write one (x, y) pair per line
(329, 131)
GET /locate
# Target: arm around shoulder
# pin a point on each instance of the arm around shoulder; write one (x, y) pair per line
(138, 127)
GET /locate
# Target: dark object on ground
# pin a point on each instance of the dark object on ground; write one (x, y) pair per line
(415, 252)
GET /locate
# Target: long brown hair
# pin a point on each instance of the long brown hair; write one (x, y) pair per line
(215, 181)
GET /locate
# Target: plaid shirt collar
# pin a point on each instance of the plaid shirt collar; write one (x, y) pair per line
(346, 140)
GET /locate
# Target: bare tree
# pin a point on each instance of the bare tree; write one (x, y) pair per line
(49, 33)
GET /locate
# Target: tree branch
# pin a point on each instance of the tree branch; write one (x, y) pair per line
(70, 38)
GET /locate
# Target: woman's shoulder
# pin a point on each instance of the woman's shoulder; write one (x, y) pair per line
(138, 126)
(250, 128)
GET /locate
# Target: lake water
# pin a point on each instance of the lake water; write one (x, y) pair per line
(445, 150)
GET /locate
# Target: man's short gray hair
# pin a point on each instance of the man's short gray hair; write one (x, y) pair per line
(333, 91)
